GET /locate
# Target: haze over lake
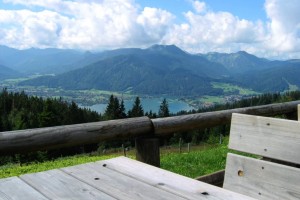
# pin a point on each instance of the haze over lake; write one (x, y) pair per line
(148, 104)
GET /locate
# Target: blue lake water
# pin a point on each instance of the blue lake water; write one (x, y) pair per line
(148, 104)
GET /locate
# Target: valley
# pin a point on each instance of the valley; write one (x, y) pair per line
(97, 100)
(188, 81)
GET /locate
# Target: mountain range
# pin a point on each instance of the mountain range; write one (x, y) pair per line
(159, 69)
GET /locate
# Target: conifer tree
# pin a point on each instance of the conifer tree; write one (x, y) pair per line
(137, 109)
(164, 109)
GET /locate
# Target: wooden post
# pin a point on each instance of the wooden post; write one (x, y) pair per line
(180, 141)
(147, 151)
(124, 150)
(189, 148)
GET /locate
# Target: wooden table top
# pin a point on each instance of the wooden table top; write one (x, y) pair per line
(117, 178)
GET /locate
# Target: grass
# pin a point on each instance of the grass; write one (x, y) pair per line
(226, 87)
(17, 169)
(201, 160)
(196, 163)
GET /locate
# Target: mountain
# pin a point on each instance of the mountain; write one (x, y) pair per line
(159, 69)
(42, 61)
(6, 73)
(239, 62)
(156, 70)
(276, 79)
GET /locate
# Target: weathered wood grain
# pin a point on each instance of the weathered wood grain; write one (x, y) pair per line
(147, 151)
(261, 179)
(55, 184)
(117, 184)
(79, 134)
(15, 189)
(299, 112)
(269, 137)
(64, 136)
(169, 125)
(168, 181)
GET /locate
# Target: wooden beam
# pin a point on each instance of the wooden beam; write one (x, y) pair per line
(65, 136)
(147, 151)
(163, 126)
(72, 135)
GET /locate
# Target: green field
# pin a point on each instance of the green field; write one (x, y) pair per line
(228, 88)
(200, 160)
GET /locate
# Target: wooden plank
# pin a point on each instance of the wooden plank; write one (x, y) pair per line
(261, 179)
(14, 188)
(216, 178)
(269, 137)
(55, 184)
(168, 125)
(298, 112)
(63, 136)
(168, 181)
(116, 184)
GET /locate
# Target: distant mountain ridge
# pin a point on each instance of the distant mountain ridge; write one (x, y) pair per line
(156, 70)
(239, 62)
(6, 73)
(159, 69)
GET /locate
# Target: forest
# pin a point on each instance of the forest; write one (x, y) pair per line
(20, 111)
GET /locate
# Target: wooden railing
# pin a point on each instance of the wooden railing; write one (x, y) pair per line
(143, 127)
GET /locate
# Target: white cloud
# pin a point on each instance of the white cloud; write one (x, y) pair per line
(284, 25)
(213, 30)
(83, 24)
(199, 6)
(155, 23)
(107, 24)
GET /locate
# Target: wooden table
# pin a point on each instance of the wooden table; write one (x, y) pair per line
(118, 178)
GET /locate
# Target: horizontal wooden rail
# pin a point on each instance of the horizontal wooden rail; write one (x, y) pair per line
(71, 135)
(169, 125)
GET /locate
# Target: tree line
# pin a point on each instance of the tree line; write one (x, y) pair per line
(20, 111)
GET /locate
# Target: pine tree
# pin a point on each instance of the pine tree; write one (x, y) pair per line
(114, 109)
(122, 113)
(164, 109)
(137, 109)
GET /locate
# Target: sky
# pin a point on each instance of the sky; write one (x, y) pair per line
(266, 28)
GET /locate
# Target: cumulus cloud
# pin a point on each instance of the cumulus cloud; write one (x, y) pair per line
(284, 25)
(210, 31)
(107, 24)
(83, 24)
(199, 6)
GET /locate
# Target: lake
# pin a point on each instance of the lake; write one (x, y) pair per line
(148, 104)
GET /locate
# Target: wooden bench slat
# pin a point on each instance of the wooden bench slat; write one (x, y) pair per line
(116, 184)
(14, 188)
(269, 137)
(56, 184)
(169, 181)
(261, 179)
(299, 112)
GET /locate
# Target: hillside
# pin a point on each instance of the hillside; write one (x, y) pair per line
(141, 75)
(239, 62)
(156, 70)
(276, 79)
(6, 73)
(32, 60)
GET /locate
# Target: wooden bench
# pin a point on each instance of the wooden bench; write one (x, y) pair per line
(272, 138)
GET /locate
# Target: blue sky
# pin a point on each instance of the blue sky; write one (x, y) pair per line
(266, 28)
(246, 9)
